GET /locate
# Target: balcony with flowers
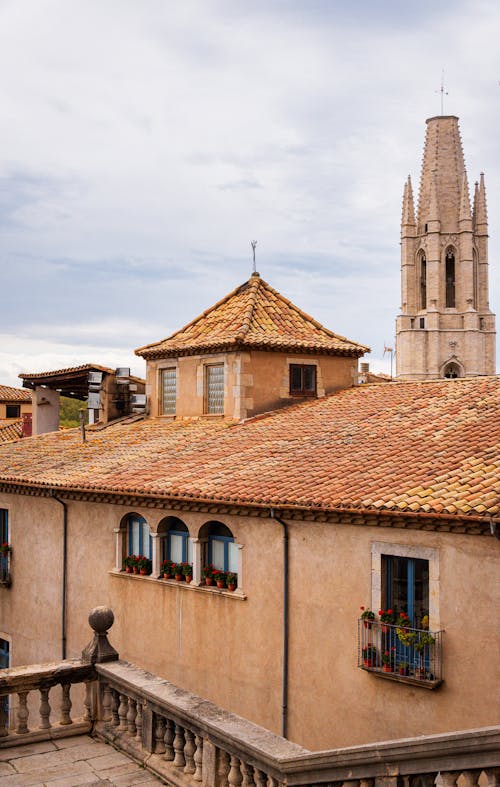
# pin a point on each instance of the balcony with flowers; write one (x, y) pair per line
(390, 647)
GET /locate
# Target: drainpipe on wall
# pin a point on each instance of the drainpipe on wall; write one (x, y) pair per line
(64, 571)
(284, 683)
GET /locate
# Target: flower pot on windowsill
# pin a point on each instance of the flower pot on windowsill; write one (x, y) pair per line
(208, 581)
(166, 576)
(420, 673)
(128, 570)
(221, 584)
(231, 587)
(135, 570)
(143, 572)
(179, 577)
(367, 662)
(188, 578)
(387, 668)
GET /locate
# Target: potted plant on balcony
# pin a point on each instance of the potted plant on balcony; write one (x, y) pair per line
(404, 630)
(177, 572)
(369, 655)
(144, 564)
(231, 580)
(367, 616)
(187, 570)
(386, 619)
(403, 667)
(133, 561)
(166, 569)
(5, 548)
(425, 640)
(388, 660)
(220, 579)
(207, 574)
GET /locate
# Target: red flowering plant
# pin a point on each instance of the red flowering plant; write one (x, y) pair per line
(219, 576)
(404, 630)
(144, 563)
(386, 616)
(367, 614)
(388, 657)
(5, 548)
(166, 568)
(208, 571)
(187, 569)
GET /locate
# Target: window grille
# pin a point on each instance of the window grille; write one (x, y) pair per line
(215, 389)
(169, 393)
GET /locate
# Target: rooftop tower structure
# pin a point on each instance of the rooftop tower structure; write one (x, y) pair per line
(445, 328)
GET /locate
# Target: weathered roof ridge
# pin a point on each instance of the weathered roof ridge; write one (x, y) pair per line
(260, 317)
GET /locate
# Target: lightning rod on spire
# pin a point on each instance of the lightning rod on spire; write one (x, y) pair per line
(442, 91)
(253, 244)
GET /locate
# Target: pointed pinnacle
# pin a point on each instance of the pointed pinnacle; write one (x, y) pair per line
(408, 207)
(464, 214)
(481, 211)
(476, 199)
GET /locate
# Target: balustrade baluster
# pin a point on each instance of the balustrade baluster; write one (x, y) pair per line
(138, 721)
(4, 715)
(248, 775)
(272, 782)
(115, 701)
(491, 777)
(223, 766)
(189, 750)
(198, 758)
(169, 740)
(87, 715)
(22, 713)
(260, 778)
(447, 779)
(159, 735)
(179, 760)
(131, 713)
(106, 702)
(122, 713)
(66, 704)
(234, 777)
(44, 710)
(469, 778)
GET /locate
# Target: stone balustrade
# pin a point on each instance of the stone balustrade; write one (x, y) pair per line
(186, 740)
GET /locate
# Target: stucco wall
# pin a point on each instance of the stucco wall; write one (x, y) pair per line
(255, 381)
(230, 650)
(25, 408)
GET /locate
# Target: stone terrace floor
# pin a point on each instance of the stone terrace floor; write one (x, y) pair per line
(70, 762)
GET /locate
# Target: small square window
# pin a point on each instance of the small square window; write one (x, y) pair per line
(13, 411)
(214, 389)
(169, 391)
(302, 379)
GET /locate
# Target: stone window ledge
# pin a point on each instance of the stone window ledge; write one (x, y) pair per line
(236, 594)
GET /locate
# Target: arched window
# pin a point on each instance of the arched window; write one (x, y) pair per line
(138, 536)
(423, 282)
(222, 552)
(177, 545)
(450, 279)
(452, 370)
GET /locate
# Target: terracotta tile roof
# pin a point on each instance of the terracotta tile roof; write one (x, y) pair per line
(8, 394)
(10, 429)
(253, 315)
(406, 447)
(84, 367)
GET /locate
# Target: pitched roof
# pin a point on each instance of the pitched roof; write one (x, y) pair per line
(68, 370)
(9, 394)
(10, 429)
(254, 315)
(426, 447)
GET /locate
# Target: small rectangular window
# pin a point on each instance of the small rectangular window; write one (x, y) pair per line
(169, 391)
(13, 411)
(214, 389)
(422, 322)
(302, 379)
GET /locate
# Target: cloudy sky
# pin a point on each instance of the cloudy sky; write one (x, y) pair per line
(144, 143)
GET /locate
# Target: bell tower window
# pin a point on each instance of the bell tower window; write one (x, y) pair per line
(450, 280)
(423, 283)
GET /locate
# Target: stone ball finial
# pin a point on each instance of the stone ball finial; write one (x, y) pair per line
(101, 619)
(99, 650)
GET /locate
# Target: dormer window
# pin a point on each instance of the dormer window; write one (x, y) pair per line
(214, 389)
(169, 391)
(302, 379)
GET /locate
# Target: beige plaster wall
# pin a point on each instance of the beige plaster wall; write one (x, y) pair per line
(255, 381)
(229, 649)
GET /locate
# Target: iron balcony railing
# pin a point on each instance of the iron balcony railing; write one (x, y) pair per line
(5, 579)
(409, 655)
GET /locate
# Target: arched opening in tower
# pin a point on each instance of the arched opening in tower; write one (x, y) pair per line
(423, 282)
(452, 371)
(450, 279)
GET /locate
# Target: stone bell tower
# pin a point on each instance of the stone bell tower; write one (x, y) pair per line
(445, 328)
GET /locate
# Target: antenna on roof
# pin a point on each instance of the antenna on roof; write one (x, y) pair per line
(253, 244)
(442, 91)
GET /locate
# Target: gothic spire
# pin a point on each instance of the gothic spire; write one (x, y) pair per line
(476, 198)
(465, 214)
(442, 173)
(408, 218)
(481, 212)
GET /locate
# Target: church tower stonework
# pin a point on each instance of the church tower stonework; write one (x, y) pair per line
(445, 328)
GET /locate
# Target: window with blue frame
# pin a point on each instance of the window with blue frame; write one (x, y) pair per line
(223, 553)
(178, 546)
(138, 536)
(405, 587)
(4, 539)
